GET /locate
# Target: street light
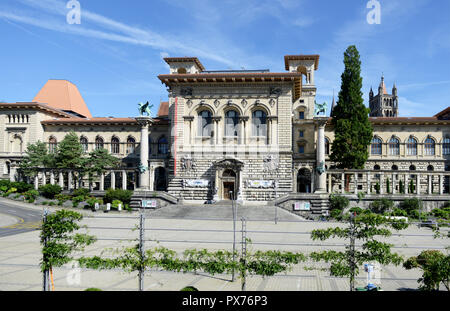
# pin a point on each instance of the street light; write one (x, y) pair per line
(234, 231)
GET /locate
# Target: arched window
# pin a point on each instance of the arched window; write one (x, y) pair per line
(376, 168)
(412, 168)
(131, 145)
(394, 146)
(163, 146)
(204, 123)
(259, 123)
(394, 167)
(430, 146)
(411, 146)
(52, 145)
(231, 123)
(430, 168)
(99, 143)
(446, 146)
(327, 146)
(376, 146)
(115, 145)
(84, 144)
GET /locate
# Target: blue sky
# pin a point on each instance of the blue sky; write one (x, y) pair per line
(115, 55)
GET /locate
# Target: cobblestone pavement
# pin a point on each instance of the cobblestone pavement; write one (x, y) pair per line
(20, 254)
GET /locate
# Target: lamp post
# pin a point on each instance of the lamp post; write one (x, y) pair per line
(234, 231)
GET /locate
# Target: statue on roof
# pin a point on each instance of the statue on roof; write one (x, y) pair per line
(145, 109)
(320, 108)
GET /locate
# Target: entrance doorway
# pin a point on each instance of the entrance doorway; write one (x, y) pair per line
(229, 184)
(304, 181)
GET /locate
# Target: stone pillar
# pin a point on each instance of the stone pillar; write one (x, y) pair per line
(61, 180)
(36, 182)
(294, 181)
(342, 183)
(113, 180)
(330, 184)
(44, 178)
(430, 184)
(216, 186)
(368, 183)
(356, 183)
(313, 181)
(441, 184)
(144, 173)
(393, 184)
(70, 180)
(418, 184)
(321, 177)
(152, 178)
(52, 178)
(124, 180)
(102, 182)
(240, 197)
(381, 182)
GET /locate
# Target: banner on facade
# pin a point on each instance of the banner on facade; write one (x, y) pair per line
(196, 183)
(149, 204)
(261, 184)
(302, 206)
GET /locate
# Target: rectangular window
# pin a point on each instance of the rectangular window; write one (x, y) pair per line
(301, 149)
(302, 134)
(302, 115)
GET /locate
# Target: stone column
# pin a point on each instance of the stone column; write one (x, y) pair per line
(152, 178)
(70, 180)
(330, 185)
(216, 186)
(240, 197)
(368, 183)
(393, 184)
(144, 173)
(61, 180)
(418, 184)
(441, 184)
(294, 181)
(113, 180)
(36, 182)
(381, 182)
(52, 178)
(356, 183)
(430, 183)
(124, 180)
(313, 181)
(342, 183)
(44, 178)
(102, 182)
(321, 177)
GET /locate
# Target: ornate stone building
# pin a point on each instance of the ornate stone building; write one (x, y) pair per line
(251, 135)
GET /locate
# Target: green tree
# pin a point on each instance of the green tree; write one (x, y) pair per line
(353, 131)
(59, 241)
(36, 157)
(99, 161)
(435, 267)
(363, 227)
(70, 153)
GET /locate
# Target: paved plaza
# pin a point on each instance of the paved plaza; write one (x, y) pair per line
(207, 227)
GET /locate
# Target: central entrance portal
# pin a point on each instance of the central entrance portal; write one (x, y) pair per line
(229, 184)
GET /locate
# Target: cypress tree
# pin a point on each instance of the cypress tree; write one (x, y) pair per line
(352, 128)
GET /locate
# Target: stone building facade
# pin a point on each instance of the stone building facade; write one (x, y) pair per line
(251, 135)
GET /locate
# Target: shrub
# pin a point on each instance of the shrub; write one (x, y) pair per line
(22, 186)
(118, 194)
(92, 289)
(356, 210)
(115, 204)
(338, 202)
(44, 203)
(50, 191)
(62, 198)
(81, 192)
(31, 195)
(11, 190)
(51, 203)
(91, 202)
(399, 212)
(4, 183)
(78, 199)
(382, 205)
(442, 212)
(336, 214)
(410, 205)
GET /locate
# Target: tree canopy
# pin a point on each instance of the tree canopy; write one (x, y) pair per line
(352, 128)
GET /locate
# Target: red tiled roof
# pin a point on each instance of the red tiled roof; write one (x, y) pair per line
(443, 112)
(163, 110)
(93, 121)
(63, 95)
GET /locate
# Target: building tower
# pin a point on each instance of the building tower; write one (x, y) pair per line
(383, 104)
